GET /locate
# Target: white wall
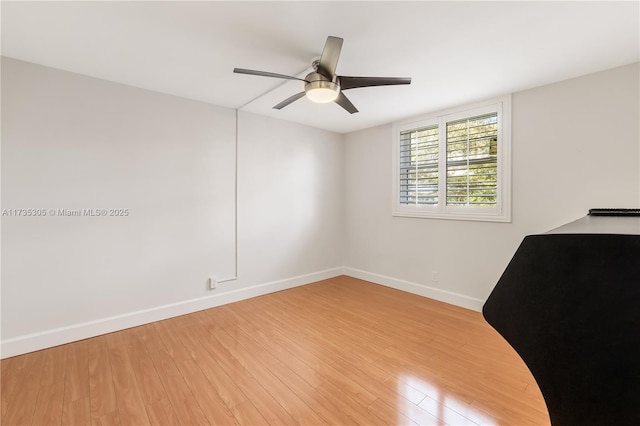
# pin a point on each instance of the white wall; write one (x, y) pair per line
(290, 211)
(70, 141)
(310, 201)
(575, 146)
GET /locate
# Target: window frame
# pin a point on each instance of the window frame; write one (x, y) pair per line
(501, 212)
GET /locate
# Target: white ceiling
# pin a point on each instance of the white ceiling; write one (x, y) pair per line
(456, 52)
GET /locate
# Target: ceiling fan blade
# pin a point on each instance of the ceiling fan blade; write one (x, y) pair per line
(265, 74)
(289, 100)
(347, 83)
(330, 56)
(345, 103)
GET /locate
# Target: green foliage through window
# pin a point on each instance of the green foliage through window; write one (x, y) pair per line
(472, 161)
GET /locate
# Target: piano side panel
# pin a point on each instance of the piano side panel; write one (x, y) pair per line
(569, 304)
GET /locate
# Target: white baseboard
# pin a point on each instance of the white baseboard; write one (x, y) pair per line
(59, 336)
(419, 289)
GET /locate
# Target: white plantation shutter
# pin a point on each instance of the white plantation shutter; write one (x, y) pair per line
(419, 166)
(472, 161)
(456, 164)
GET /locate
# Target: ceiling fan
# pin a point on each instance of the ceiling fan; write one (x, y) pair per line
(323, 84)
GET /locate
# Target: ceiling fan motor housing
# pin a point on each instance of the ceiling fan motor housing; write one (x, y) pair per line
(320, 89)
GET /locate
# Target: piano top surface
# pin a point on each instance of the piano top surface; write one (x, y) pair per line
(601, 225)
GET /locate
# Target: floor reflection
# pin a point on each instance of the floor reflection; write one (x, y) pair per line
(447, 409)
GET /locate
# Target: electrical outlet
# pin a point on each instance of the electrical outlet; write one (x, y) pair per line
(213, 283)
(434, 276)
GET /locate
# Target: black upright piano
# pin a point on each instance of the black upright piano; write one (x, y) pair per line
(569, 304)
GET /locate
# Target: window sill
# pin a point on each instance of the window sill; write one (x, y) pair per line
(476, 217)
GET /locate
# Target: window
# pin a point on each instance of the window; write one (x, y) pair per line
(454, 165)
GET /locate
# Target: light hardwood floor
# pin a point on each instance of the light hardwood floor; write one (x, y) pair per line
(340, 351)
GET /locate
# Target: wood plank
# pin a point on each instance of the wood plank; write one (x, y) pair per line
(181, 397)
(161, 413)
(345, 403)
(10, 368)
(77, 412)
(149, 335)
(24, 393)
(107, 419)
(247, 414)
(169, 335)
(324, 407)
(104, 406)
(390, 415)
(444, 413)
(205, 394)
(48, 409)
(214, 371)
(263, 400)
(282, 350)
(77, 372)
(404, 390)
(130, 404)
(339, 351)
(151, 388)
(284, 396)
(54, 365)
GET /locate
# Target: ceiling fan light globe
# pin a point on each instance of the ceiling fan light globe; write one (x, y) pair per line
(322, 91)
(322, 96)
